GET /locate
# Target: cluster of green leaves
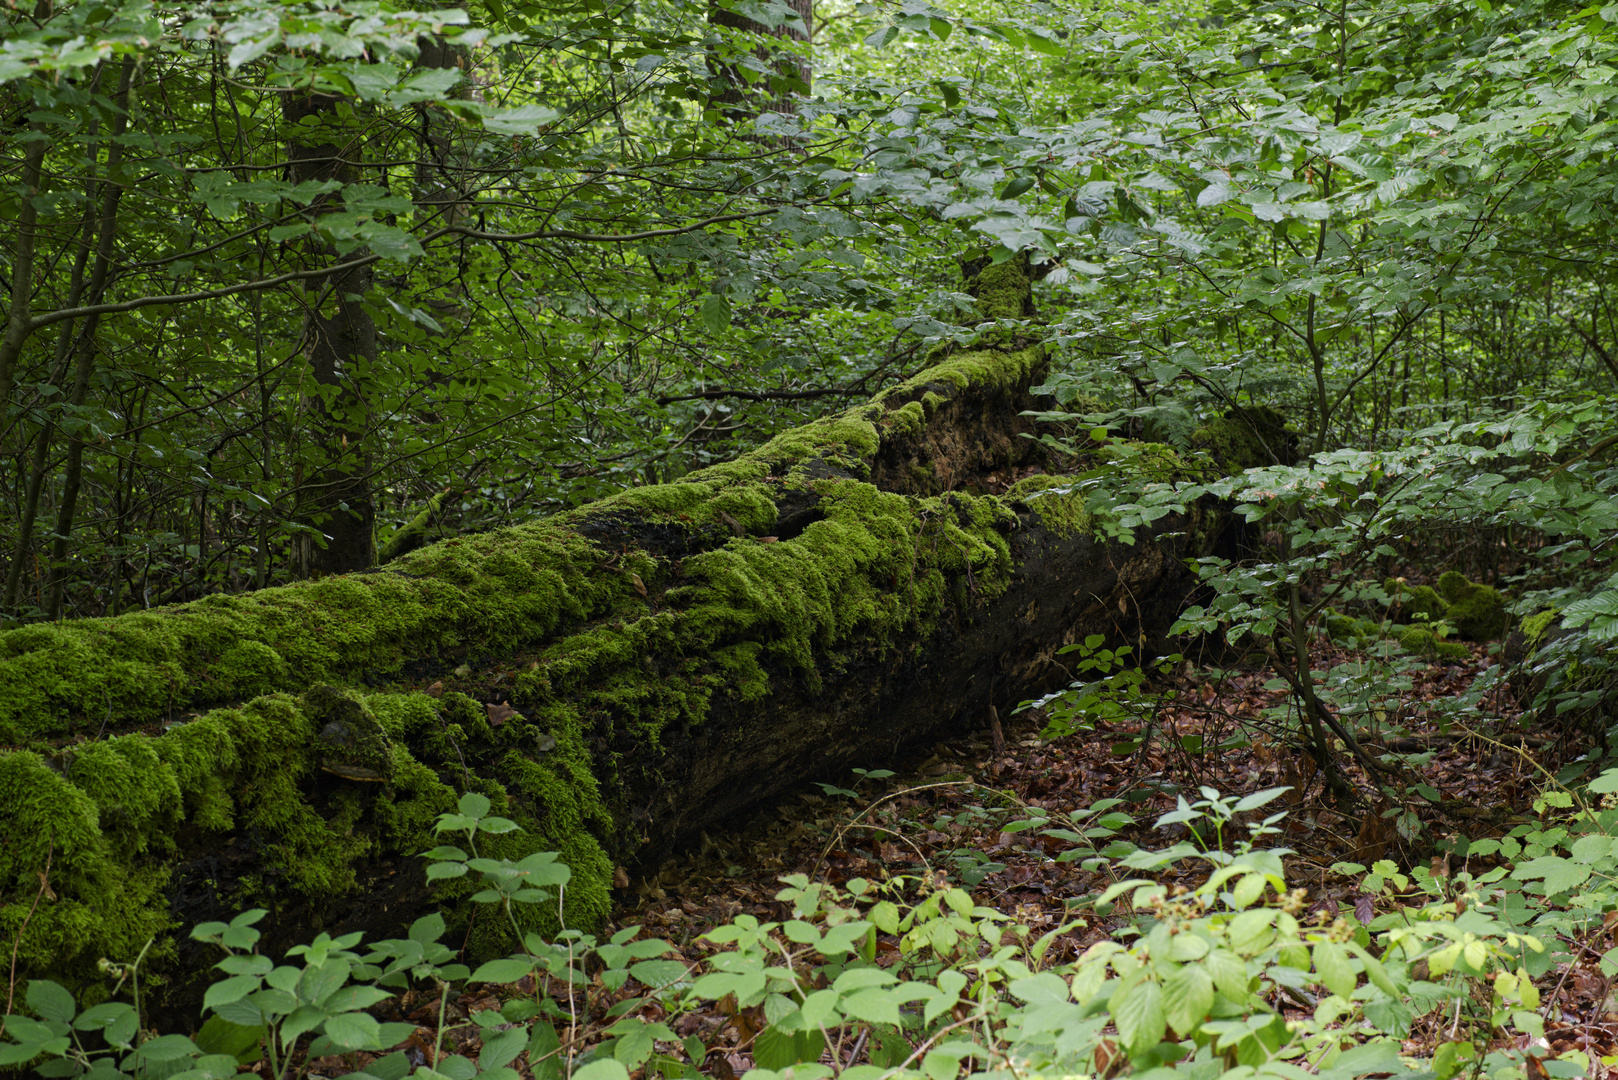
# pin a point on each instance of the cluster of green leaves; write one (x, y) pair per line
(916, 979)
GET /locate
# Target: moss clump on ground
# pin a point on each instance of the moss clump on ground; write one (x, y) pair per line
(1476, 612)
(1350, 632)
(1423, 642)
(1412, 603)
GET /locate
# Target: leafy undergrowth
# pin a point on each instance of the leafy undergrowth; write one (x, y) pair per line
(1168, 890)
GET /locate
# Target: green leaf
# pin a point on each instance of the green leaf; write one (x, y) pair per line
(1188, 994)
(1606, 783)
(874, 1006)
(228, 990)
(543, 1060)
(716, 313)
(502, 1048)
(51, 1001)
(1138, 1012)
(116, 1020)
(508, 970)
(1334, 970)
(353, 1031)
(659, 974)
(633, 1047)
(523, 120)
(240, 1041)
(167, 1048)
(602, 1069)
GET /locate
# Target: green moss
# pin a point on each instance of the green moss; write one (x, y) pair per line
(981, 369)
(1534, 627)
(1002, 289)
(1415, 602)
(1421, 642)
(1350, 632)
(1156, 462)
(101, 902)
(1451, 583)
(905, 420)
(1478, 612)
(1246, 438)
(1056, 499)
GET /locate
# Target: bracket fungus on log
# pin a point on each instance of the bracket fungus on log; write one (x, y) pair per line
(614, 678)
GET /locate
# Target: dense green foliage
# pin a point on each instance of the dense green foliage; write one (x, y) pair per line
(575, 270)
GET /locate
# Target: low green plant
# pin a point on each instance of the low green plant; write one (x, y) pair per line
(913, 978)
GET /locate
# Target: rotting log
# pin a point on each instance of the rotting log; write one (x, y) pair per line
(615, 678)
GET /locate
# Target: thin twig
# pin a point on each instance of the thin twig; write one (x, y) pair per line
(44, 887)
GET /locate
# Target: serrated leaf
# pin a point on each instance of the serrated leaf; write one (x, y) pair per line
(659, 973)
(51, 1001)
(1333, 968)
(602, 1069)
(353, 1031)
(1138, 1012)
(522, 120)
(1188, 994)
(715, 314)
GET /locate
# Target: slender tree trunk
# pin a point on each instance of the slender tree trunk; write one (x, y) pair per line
(72, 476)
(38, 466)
(340, 341)
(742, 99)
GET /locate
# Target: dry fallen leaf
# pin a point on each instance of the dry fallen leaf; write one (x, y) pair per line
(640, 586)
(500, 712)
(620, 878)
(436, 689)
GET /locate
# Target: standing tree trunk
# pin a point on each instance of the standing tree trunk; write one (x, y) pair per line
(340, 342)
(744, 94)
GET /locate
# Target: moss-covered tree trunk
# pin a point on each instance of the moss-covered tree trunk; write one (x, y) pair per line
(615, 678)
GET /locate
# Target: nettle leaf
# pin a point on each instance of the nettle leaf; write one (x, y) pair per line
(1559, 874)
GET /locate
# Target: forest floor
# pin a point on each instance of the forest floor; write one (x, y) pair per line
(947, 816)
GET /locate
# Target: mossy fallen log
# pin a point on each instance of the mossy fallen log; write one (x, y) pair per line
(614, 678)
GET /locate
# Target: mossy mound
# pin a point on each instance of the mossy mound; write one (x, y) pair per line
(110, 814)
(1422, 642)
(1414, 603)
(1350, 632)
(1476, 612)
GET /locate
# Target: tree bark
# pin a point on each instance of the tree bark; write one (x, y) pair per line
(340, 340)
(742, 100)
(616, 678)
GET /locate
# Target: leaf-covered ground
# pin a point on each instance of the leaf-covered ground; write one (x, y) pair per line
(956, 813)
